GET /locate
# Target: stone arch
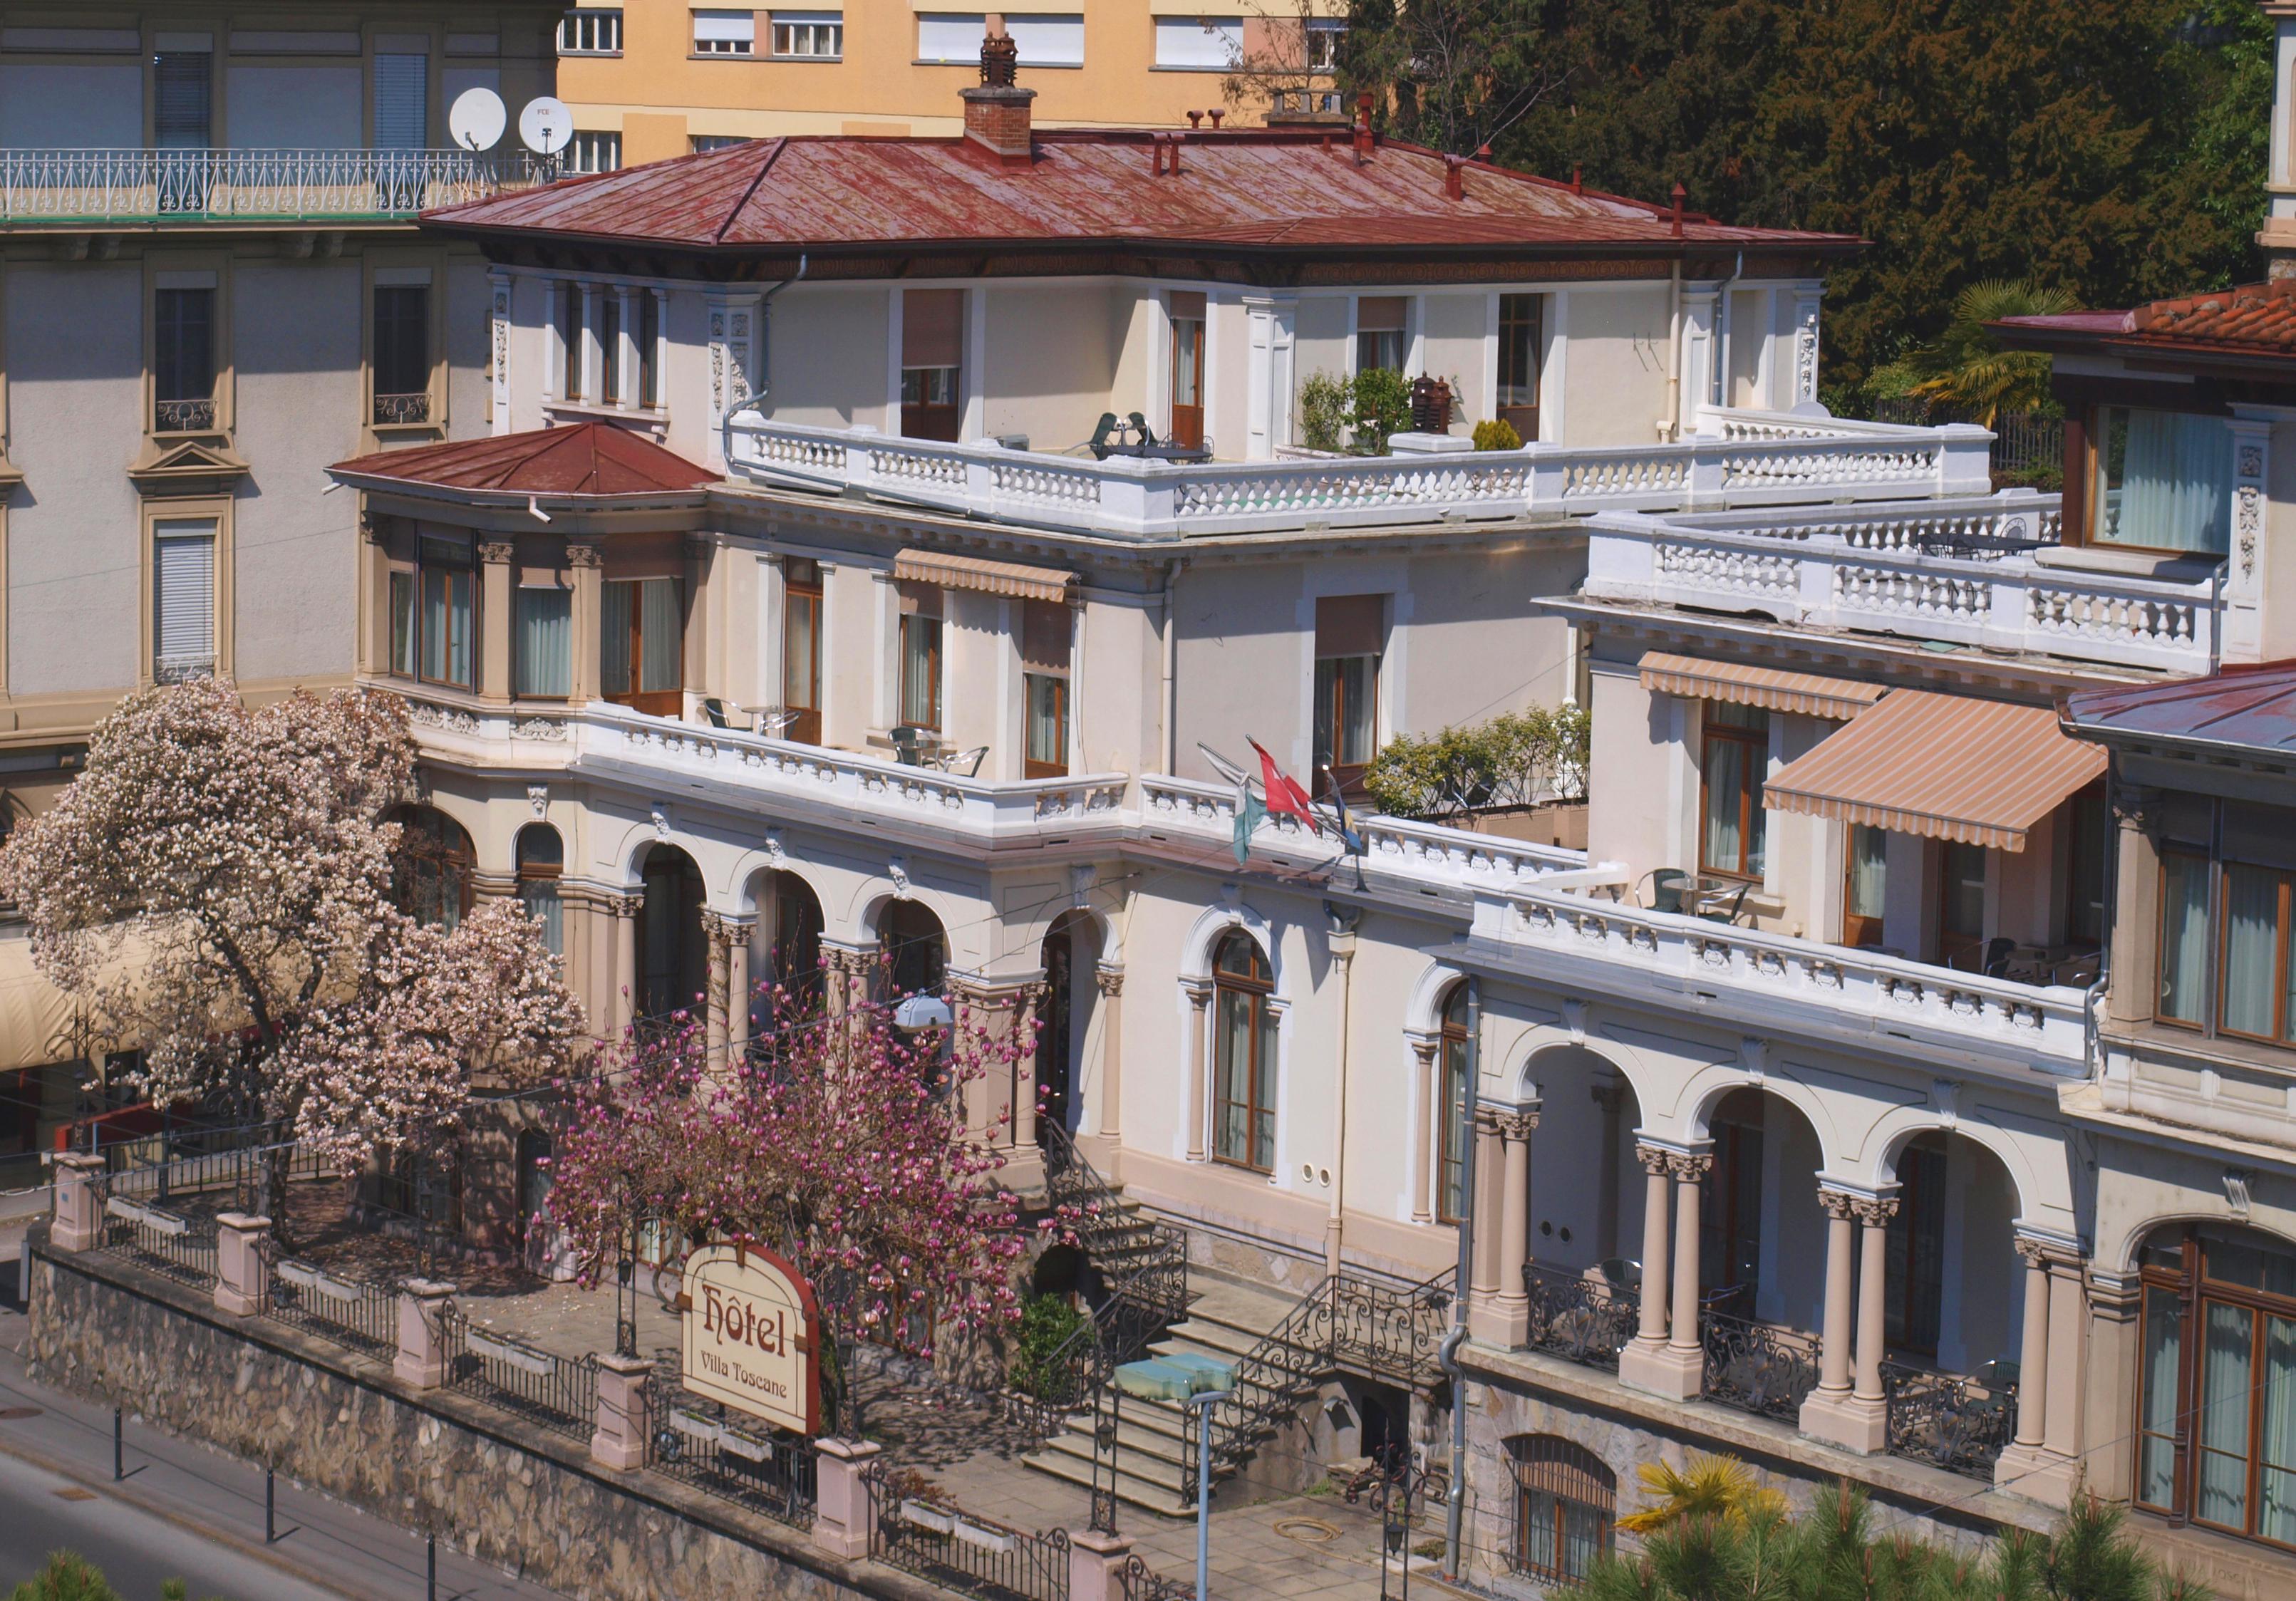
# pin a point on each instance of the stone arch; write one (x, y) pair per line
(2119, 1254)
(1523, 1080)
(673, 952)
(1711, 1083)
(1211, 925)
(1422, 1014)
(2037, 1200)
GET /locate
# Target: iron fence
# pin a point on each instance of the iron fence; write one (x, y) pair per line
(2029, 447)
(168, 1242)
(768, 1472)
(1581, 1319)
(1389, 1332)
(944, 1544)
(353, 1313)
(558, 1392)
(210, 1170)
(1948, 1421)
(194, 186)
(1756, 1369)
(1141, 1582)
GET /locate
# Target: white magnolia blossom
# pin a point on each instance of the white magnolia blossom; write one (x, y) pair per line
(215, 886)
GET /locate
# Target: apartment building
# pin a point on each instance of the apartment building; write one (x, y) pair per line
(210, 287)
(649, 79)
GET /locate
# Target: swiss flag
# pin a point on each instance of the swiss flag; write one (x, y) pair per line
(1283, 794)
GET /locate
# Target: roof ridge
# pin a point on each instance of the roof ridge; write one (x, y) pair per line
(734, 214)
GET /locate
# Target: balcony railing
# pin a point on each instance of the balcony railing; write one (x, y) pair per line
(1739, 460)
(79, 186)
(1958, 572)
(1958, 1424)
(1580, 1319)
(183, 416)
(394, 410)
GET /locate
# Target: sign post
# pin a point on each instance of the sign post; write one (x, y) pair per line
(750, 1336)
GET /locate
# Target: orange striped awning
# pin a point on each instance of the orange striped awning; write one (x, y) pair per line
(1950, 767)
(1015, 580)
(1772, 688)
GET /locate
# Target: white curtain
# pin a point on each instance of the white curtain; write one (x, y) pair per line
(661, 633)
(2184, 937)
(2164, 1348)
(2275, 1512)
(2176, 482)
(2251, 949)
(2227, 1358)
(545, 642)
(1869, 851)
(614, 638)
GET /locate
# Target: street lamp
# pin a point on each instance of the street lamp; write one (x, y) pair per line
(1197, 1383)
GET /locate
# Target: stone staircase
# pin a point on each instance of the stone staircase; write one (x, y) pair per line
(1226, 1322)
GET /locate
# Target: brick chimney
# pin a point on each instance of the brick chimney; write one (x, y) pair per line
(997, 110)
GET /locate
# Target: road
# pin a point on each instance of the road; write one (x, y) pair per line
(185, 1512)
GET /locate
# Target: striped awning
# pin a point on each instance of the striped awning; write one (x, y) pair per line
(1012, 579)
(1772, 689)
(1949, 766)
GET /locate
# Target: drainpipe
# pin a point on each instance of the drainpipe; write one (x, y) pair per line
(765, 362)
(1172, 674)
(1344, 950)
(1673, 356)
(1447, 1356)
(1722, 331)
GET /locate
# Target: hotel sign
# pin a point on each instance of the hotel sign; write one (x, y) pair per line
(749, 1323)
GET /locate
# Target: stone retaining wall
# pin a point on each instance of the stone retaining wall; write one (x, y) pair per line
(483, 1481)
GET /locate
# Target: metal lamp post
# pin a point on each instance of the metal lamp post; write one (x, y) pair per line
(1199, 1384)
(1204, 1402)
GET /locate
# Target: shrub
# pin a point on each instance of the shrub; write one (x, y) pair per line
(1325, 402)
(1496, 434)
(67, 1577)
(1046, 1322)
(1517, 758)
(1382, 406)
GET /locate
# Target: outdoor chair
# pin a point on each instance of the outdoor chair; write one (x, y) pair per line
(1101, 434)
(1724, 905)
(1664, 890)
(961, 764)
(909, 744)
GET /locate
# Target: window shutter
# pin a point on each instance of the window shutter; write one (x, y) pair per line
(1380, 314)
(724, 28)
(1350, 625)
(932, 323)
(1044, 637)
(402, 83)
(182, 591)
(181, 84)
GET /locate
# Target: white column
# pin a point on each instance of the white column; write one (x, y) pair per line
(732, 361)
(1690, 1170)
(498, 287)
(1806, 304)
(624, 355)
(2033, 1350)
(1427, 1140)
(1873, 1215)
(2249, 562)
(1200, 1001)
(587, 358)
(1657, 1197)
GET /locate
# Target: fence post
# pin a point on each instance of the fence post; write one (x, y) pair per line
(840, 1513)
(421, 1334)
(243, 1277)
(80, 1213)
(625, 1413)
(1097, 1565)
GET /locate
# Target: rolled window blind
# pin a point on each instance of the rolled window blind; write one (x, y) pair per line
(181, 84)
(182, 593)
(931, 323)
(727, 27)
(401, 100)
(1350, 625)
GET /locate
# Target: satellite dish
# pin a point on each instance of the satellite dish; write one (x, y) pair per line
(477, 120)
(546, 125)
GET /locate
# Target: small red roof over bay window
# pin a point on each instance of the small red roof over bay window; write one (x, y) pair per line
(581, 459)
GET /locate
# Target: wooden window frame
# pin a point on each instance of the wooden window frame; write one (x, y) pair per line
(1450, 1155)
(211, 508)
(1185, 423)
(469, 573)
(1523, 418)
(1757, 742)
(1347, 773)
(2220, 943)
(801, 586)
(2205, 1024)
(654, 702)
(1259, 990)
(1033, 766)
(935, 657)
(2080, 531)
(1856, 926)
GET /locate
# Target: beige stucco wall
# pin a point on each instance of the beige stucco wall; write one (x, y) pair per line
(1050, 367)
(1615, 376)
(828, 358)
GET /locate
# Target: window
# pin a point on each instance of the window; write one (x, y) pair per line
(801, 649)
(544, 648)
(1379, 333)
(1730, 1208)
(404, 629)
(448, 620)
(648, 350)
(1205, 44)
(1865, 886)
(1045, 681)
(183, 93)
(182, 598)
(1450, 1193)
(402, 94)
(1348, 630)
(1735, 760)
(594, 151)
(952, 36)
(915, 949)
(183, 360)
(2091, 822)
(1565, 1499)
(2160, 480)
(701, 144)
(541, 856)
(642, 644)
(2226, 912)
(1243, 1071)
(1048, 40)
(920, 685)
(932, 324)
(1519, 339)
(1187, 308)
(809, 35)
(672, 950)
(591, 33)
(431, 874)
(1916, 1248)
(402, 353)
(2219, 1348)
(609, 346)
(1961, 904)
(725, 32)
(570, 341)
(1324, 44)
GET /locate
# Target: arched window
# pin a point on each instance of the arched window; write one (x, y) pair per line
(673, 959)
(1244, 1072)
(2219, 1350)
(1565, 1499)
(433, 871)
(541, 856)
(1451, 1198)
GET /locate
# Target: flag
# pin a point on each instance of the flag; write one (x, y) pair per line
(1346, 824)
(1248, 813)
(1284, 794)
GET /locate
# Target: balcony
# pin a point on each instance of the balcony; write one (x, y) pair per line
(75, 188)
(1737, 459)
(1958, 571)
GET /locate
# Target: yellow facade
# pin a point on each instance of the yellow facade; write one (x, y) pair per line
(669, 85)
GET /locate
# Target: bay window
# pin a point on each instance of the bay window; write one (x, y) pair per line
(446, 617)
(1733, 763)
(2160, 480)
(642, 644)
(543, 647)
(2228, 921)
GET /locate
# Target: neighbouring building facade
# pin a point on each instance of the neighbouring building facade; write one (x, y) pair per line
(210, 287)
(649, 79)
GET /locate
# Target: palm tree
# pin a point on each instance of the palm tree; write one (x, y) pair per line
(1964, 368)
(1709, 1487)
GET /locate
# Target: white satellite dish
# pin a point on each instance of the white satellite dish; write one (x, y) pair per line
(546, 125)
(477, 120)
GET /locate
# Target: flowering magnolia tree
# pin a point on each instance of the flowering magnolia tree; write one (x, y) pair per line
(215, 886)
(844, 1148)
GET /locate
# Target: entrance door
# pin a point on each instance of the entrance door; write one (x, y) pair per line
(1187, 368)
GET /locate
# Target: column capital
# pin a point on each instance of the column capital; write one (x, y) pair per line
(1198, 992)
(497, 553)
(1875, 1211)
(1656, 1160)
(1838, 1204)
(738, 930)
(1109, 977)
(628, 905)
(582, 556)
(1424, 1049)
(1689, 1167)
(1515, 1127)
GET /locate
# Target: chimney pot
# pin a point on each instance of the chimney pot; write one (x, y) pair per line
(1178, 139)
(1680, 192)
(1363, 127)
(1453, 188)
(1215, 117)
(1578, 180)
(1195, 118)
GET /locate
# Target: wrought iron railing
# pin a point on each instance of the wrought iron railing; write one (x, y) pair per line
(183, 416)
(390, 410)
(1141, 1582)
(169, 1243)
(1390, 1333)
(946, 1546)
(766, 1471)
(1756, 1369)
(350, 1312)
(1948, 1421)
(558, 1392)
(40, 186)
(1579, 1318)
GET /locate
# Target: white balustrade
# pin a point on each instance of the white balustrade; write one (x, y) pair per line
(1761, 462)
(194, 186)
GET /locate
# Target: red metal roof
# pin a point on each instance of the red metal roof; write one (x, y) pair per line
(1257, 189)
(583, 458)
(2253, 320)
(2251, 707)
